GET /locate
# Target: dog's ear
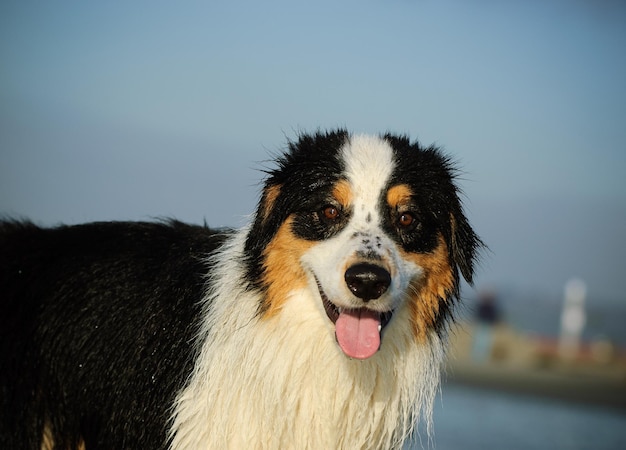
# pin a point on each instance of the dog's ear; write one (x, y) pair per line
(465, 245)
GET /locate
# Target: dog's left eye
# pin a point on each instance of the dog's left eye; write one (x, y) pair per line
(330, 213)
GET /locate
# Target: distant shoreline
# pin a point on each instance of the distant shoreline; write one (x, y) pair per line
(603, 391)
(505, 359)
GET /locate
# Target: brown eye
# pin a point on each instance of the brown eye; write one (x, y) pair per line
(330, 212)
(406, 219)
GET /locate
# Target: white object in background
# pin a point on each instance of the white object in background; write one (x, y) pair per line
(573, 318)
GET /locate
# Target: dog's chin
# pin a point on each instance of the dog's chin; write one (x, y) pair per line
(359, 342)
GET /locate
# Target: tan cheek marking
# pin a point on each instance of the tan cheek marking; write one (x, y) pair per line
(283, 272)
(342, 192)
(430, 289)
(47, 441)
(270, 194)
(399, 194)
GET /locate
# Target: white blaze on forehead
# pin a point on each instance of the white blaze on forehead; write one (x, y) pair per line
(369, 165)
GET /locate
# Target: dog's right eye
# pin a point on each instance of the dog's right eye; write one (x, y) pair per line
(406, 219)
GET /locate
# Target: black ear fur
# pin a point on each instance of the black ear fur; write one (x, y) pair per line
(465, 245)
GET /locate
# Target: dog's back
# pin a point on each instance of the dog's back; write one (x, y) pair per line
(86, 311)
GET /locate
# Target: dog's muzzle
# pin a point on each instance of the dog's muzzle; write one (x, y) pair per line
(358, 330)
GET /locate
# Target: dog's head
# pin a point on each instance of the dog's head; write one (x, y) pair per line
(372, 225)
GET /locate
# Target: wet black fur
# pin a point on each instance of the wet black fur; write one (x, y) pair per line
(96, 329)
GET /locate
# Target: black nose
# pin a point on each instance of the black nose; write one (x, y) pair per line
(367, 281)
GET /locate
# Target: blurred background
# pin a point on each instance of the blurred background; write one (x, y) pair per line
(139, 110)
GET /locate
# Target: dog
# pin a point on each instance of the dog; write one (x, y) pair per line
(319, 325)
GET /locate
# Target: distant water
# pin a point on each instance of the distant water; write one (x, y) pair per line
(476, 419)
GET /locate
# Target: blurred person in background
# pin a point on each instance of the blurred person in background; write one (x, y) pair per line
(487, 316)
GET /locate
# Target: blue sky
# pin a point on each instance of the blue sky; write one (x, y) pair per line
(113, 110)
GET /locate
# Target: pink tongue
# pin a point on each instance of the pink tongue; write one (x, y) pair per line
(357, 332)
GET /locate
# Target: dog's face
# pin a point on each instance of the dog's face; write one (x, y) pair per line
(372, 225)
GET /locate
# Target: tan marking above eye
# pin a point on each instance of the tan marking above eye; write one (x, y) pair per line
(342, 192)
(398, 195)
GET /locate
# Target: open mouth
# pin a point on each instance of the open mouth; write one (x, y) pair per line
(358, 331)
